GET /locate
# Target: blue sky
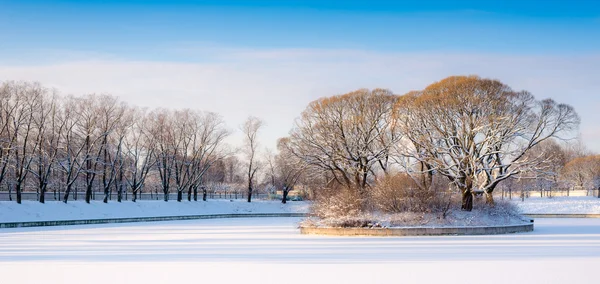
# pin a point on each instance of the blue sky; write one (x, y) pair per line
(124, 27)
(270, 58)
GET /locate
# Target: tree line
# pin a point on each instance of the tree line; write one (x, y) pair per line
(476, 134)
(52, 142)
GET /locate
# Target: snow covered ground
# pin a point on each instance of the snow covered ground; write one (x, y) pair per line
(79, 210)
(271, 250)
(559, 205)
(10, 211)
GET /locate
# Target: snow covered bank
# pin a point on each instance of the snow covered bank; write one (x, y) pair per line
(477, 218)
(503, 214)
(559, 205)
(78, 210)
(34, 211)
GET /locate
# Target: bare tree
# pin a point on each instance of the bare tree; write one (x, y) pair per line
(210, 136)
(90, 112)
(287, 168)
(28, 99)
(139, 150)
(183, 144)
(476, 132)
(350, 137)
(49, 127)
(163, 130)
(72, 156)
(198, 143)
(114, 125)
(250, 129)
(546, 173)
(583, 172)
(232, 170)
(10, 107)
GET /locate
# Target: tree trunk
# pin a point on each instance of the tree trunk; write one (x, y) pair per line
(105, 200)
(195, 193)
(599, 192)
(204, 193)
(66, 196)
(133, 195)
(88, 193)
(467, 200)
(179, 195)
(284, 197)
(18, 190)
(120, 184)
(120, 193)
(166, 196)
(249, 194)
(43, 194)
(489, 199)
(190, 193)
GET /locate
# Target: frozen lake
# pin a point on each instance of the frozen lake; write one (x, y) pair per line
(271, 250)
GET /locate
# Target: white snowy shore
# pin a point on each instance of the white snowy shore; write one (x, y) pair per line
(79, 210)
(559, 205)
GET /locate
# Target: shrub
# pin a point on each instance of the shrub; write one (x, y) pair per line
(337, 202)
(400, 193)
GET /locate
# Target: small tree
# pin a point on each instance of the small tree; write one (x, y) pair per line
(139, 157)
(583, 172)
(250, 129)
(288, 169)
(166, 145)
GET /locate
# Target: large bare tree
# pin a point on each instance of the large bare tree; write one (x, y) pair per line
(476, 132)
(350, 136)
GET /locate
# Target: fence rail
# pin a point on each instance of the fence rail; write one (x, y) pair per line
(51, 196)
(80, 195)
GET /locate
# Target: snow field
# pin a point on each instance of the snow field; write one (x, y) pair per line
(559, 205)
(440, 272)
(79, 210)
(271, 250)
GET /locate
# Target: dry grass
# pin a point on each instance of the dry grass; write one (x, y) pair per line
(398, 202)
(504, 213)
(336, 203)
(399, 193)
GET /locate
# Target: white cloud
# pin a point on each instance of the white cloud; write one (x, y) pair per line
(277, 84)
